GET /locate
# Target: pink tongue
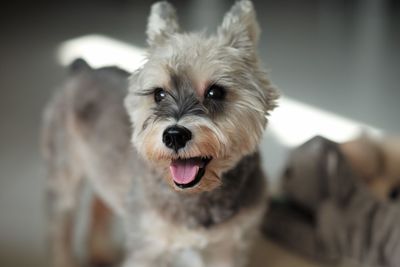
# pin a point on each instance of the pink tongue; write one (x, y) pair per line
(184, 171)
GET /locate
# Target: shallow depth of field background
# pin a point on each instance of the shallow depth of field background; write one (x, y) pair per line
(336, 57)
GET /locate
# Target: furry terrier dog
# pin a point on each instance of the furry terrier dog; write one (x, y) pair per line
(191, 191)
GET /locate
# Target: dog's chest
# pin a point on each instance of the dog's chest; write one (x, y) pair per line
(179, 241)
(171, 236)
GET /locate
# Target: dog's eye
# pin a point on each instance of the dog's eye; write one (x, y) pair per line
(215, 92)
(159, 94)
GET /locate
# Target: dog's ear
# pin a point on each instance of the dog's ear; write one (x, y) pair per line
(162, 23)
(239, 27)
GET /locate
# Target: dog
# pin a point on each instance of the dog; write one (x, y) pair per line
(335, 216)
(190, 190)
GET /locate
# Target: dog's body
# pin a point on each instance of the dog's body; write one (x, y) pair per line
(192, 191)
(332, 212)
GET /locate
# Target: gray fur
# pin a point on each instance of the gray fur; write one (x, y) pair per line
(87, 133)
(240, 26)
(162, 23)
(335, 218)
(181, 101)
(89, 103)
(104, 127)
(242, 187)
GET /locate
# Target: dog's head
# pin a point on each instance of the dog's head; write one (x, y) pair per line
(199, 103)
(318, 170)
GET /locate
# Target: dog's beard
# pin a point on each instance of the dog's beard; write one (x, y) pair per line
(200, 164)
(194, 175)
(197, 167)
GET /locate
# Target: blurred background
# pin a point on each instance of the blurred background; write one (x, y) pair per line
(336, 60)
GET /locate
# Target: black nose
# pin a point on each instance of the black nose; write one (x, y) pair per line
(176, 137)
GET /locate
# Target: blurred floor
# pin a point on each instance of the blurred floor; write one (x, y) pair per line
(340, 56)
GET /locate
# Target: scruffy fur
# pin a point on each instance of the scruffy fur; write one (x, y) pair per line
(88, 129)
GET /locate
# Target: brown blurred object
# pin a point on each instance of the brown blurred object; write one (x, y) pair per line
(267, 253)
(377, 162)
(102, 252)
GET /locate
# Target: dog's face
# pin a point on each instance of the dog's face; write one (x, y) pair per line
(199, 104)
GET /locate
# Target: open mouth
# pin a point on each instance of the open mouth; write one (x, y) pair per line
(187, 173)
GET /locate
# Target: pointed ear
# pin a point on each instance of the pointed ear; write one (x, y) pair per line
(162, 23)
(239, 27)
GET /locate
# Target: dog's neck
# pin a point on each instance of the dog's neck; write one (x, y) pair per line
(242, 187)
